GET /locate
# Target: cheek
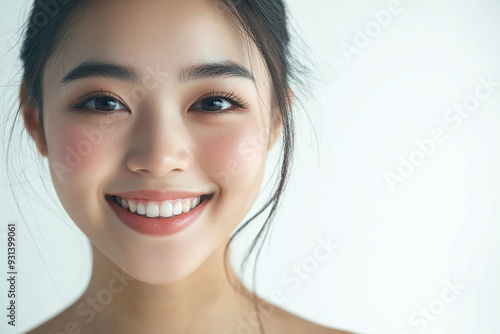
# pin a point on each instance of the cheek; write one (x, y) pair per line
(78, 153)
(236, 157)
(80, 157)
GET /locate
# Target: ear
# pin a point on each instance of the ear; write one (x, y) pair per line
(275, 131)
(32, 121)
(278, 123)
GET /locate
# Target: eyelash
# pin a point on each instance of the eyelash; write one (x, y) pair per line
(81, 102)
(229, 96)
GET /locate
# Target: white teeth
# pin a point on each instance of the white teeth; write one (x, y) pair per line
(152, 210)
(177, 208)
(194, 203)
(166, 209)
(124, 204)
(132, 206)
(186, 205)
(141, 209)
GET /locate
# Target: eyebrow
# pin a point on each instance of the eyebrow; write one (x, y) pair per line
(90, 69)
(215, 70)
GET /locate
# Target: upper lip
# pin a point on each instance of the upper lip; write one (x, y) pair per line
(155, 195)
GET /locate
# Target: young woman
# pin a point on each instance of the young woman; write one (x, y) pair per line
(156, 117)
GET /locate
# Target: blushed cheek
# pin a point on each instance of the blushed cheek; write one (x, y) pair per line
(80, 159)
(77, 153)
(236, 158)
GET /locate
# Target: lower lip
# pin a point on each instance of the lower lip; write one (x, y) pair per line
(157, 226)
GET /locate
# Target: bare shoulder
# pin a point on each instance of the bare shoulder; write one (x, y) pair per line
(281, 321)
(52, 324)
(66, 321)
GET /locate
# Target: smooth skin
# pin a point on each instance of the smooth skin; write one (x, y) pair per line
(152, 134)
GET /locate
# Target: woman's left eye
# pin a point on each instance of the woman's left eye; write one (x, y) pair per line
(212, 104)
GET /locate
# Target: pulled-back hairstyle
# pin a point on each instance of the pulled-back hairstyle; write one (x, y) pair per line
(265, 22)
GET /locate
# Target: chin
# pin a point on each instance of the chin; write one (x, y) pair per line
(157, 265)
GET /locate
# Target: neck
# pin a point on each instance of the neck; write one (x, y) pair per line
(204, 302)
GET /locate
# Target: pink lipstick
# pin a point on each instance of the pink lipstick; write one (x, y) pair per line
(157, 226)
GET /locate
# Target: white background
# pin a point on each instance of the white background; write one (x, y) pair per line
(397, 249)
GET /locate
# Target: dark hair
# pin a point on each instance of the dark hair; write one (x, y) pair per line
(265, 22)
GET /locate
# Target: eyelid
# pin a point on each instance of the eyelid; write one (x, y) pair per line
(80, 103)
(230, 96)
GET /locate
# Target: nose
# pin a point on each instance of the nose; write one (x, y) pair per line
(158, 145)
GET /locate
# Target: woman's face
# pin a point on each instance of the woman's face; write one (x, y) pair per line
(188, 118)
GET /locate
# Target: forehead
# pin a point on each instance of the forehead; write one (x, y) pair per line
(165, 35)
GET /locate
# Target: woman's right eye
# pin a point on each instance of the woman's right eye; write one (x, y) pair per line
(100, 104)
(104, 104)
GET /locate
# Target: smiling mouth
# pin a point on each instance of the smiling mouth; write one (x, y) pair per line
(159, 209)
